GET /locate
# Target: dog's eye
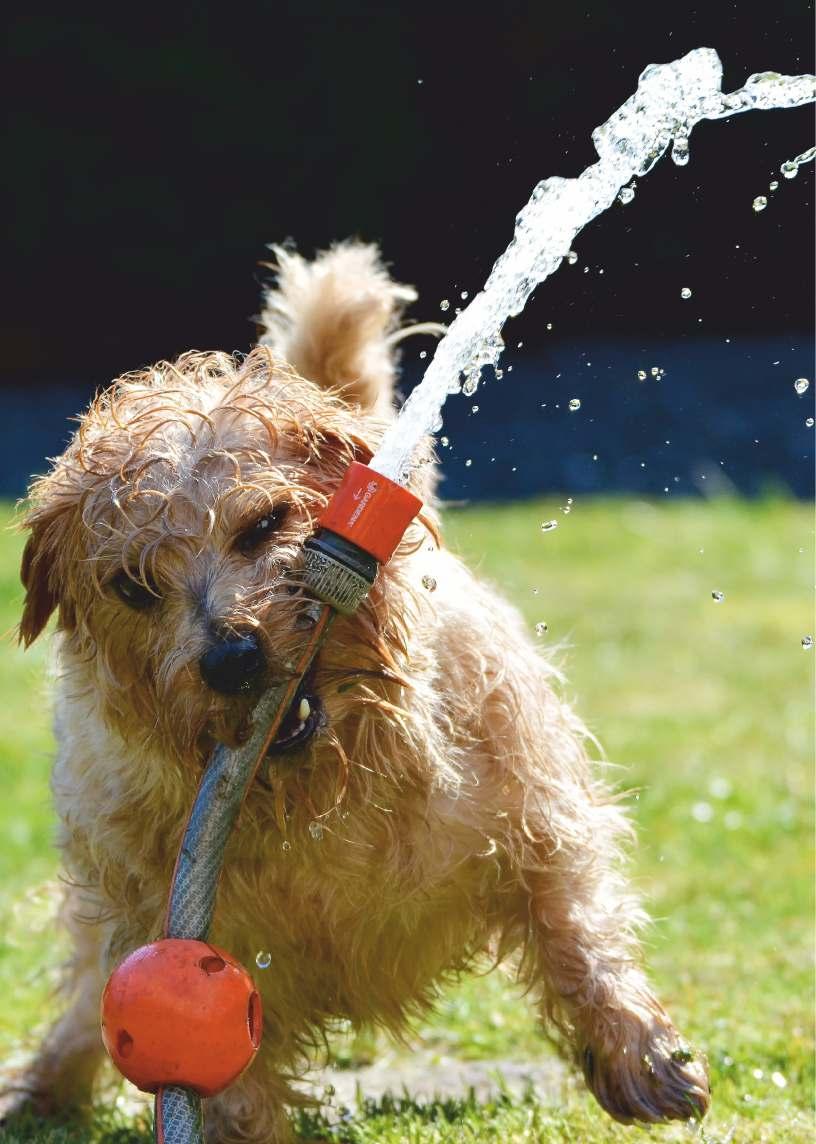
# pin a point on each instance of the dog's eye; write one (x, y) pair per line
(251, 539)
(133, 592)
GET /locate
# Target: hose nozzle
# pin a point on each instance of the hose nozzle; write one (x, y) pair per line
(362, 525)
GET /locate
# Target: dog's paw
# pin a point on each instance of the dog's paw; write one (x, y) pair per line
(21, 1100)
(665, 1080)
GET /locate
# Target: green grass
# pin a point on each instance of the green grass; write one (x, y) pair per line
(705, 706)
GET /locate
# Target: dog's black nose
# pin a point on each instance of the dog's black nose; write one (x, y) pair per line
(232, 665)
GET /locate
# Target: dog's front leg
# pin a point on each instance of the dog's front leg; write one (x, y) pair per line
(585, 956)
(253, 1110)
(60, 1078)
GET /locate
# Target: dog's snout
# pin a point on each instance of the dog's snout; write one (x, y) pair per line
(233, 665)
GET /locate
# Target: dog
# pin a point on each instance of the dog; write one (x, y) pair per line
(433, 800)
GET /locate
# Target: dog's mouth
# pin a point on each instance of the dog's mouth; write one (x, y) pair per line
(301, 722)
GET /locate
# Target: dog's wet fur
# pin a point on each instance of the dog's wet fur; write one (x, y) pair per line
(461, 815)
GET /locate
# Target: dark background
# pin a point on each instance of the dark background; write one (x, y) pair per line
(149, 159)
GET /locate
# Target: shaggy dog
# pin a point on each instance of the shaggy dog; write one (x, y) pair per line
(436, 805)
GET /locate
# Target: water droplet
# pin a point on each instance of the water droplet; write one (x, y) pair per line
(499, 374)
(809, 422)
(789, 169)
(572, 257)
(718, 597)
(801, 385)
(549, 325)
(778, 1080)
(444, 441)
(807, 642)
(420, 82)
(286, 846)
(702, 812)
(429, 583)
(773, 186)
(423, 354)
(316, 830)
(655, 371)
(520, 344)
(760, 203)
(626, 194)
(444, 305)
(575, 404)
(566, 509)
(464, 295)
(535, 591)
(540, 628)
(474, 409)
(548, 525)
(263, 959)
(719, 787)
(468, 463)
(642, 374)
(685, 293)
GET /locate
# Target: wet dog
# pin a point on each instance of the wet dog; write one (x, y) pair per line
(429, 799)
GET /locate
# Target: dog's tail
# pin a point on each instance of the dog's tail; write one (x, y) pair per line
(336, 320)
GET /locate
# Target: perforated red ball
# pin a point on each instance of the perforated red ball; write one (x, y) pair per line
(181, 1012)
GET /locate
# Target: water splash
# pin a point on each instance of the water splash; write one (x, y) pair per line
(670, 100)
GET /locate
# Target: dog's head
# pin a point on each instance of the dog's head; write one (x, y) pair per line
(169, 538)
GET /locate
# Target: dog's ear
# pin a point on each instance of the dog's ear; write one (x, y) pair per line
(335, 321)
(40, 573)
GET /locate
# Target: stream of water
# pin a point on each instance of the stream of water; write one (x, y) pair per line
(670, 100)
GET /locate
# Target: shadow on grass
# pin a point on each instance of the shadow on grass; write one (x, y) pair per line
(372, 1118)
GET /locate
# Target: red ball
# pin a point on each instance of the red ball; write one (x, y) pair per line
(180, 1012)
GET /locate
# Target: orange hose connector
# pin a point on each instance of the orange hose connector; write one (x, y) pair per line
(371, 511)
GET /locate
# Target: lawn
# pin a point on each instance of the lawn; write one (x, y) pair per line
(705, 706)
